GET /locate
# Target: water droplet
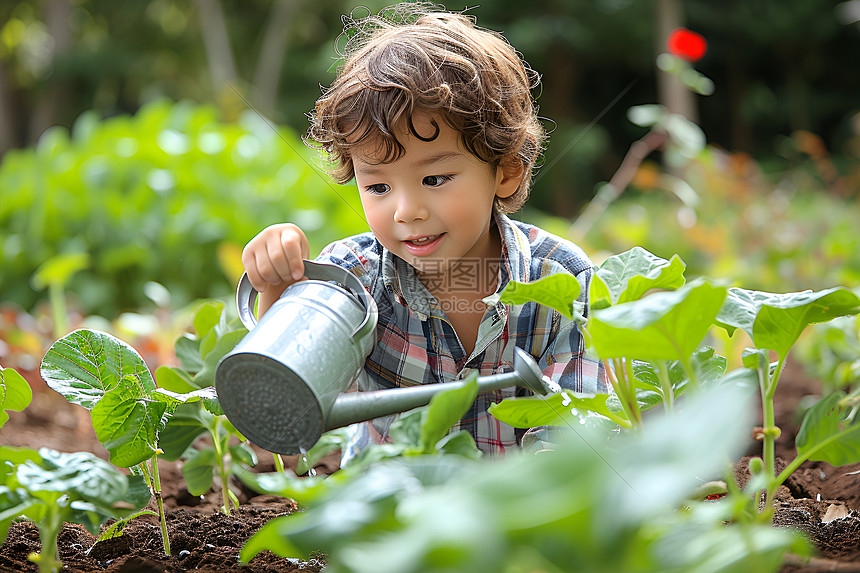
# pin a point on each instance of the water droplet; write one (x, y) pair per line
(565, 400)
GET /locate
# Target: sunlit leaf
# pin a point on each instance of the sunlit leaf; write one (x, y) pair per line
(15, 393)
(663, 326)
(629, 275)
(830, 432)
(558, 291)
(85, 364)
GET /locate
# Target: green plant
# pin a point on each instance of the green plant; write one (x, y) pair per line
(167, 195)
(109, 378)
(15, 393)
(653, 343)
(830, 352)
(215, 335)
(51, 487)
(622, 508)
(830, 430)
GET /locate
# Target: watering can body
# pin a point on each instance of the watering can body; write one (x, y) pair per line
(279, 383)
(282, 386)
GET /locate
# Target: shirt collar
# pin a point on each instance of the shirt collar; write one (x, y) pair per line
(400, 276)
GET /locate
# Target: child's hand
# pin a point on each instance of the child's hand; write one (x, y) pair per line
(274, 260)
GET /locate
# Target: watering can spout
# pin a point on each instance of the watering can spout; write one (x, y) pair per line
(355, 407)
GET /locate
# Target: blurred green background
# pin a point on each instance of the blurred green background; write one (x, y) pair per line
(144, 143)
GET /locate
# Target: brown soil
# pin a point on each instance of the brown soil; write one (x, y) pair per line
(205, 540)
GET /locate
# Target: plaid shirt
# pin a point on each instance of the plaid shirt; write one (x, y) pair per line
(417, 345)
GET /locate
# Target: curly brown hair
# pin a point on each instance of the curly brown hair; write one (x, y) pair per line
(413, 58)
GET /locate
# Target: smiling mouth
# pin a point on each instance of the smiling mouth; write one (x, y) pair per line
(424, 240)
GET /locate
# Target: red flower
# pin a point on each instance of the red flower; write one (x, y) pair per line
(686, 44)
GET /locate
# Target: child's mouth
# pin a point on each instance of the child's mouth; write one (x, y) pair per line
(423, 245)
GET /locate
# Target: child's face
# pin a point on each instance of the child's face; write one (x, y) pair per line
(433, 206)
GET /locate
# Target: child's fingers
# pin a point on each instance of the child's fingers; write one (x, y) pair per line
(295, 247)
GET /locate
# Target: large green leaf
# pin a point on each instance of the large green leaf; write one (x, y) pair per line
(775, 321)
(85, 364)
(556, 410)
(445, 410)
(663, 326)
(197, 470)
(558, 291)
(127, 422)
(828, 434)
(81, 475)
(15, 393)
(627, 276)
(187, 422)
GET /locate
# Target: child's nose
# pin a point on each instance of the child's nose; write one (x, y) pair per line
(409, 208)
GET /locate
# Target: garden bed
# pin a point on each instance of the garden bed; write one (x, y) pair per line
(821, 499)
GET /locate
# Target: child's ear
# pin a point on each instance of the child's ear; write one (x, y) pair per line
(509, 175)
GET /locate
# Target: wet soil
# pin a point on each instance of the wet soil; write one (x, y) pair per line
(821, 500)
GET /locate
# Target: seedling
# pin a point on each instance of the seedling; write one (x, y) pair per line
(199, 355)
(110, 379)
(50, 488)
(606, 509)
(830, 430)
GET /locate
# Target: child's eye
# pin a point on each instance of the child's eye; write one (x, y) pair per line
(377, 189)
(436, 180)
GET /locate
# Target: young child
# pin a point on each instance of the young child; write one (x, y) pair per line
(433, 117)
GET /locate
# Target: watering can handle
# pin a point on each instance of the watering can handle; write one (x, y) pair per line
(246, 294)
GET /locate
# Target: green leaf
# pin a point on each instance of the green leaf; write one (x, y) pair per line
(186, 424)
(207, 317)
(59, 269)
(663, 326)
(15, 393)
(558, 291)
(272, 537)
(127, 422)
(80, 475)
(197, 470)
(188, 352)
(206, 376)
(85, 364)
(460, 443)
(629, 275)
(445, 409)
(828, 434)
(174, 379)
(243, 457)
(116, 529)
(780, 323)
(555, 410)
(775, 321)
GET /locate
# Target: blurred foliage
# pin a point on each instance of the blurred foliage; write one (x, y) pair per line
(778, 66)
(166, 195)
(831, 354)
(728, 219)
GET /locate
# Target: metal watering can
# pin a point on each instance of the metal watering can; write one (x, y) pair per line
(282, 385)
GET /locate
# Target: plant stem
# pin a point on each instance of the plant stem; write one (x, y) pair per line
(770, 430)
(57, 297)
(226, 494)
(49, 557)
(668, 393)
(631, 389)
(620, 388)
(156, 491)
(279, 463)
